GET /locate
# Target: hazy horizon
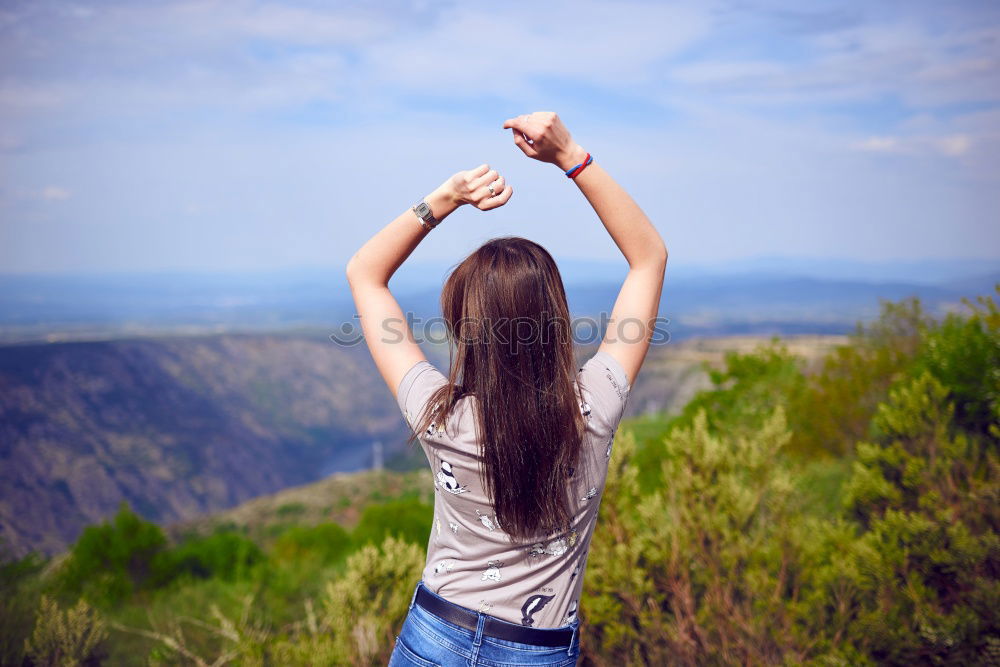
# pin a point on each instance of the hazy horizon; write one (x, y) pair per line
(940, 268)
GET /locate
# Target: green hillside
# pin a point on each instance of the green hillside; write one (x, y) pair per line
(843, 512)
(341, 498)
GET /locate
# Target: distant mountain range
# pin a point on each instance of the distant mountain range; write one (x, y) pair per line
(765, 295)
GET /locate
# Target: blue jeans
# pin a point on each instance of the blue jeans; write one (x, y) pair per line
(430, 641)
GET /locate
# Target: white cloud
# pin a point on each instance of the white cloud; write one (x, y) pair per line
(193, 54)
(477, 49)
(878, 144)
(54, 193)
(951, 146)
(148, 58)
(248, 56)
(922, 64)
(955, 145)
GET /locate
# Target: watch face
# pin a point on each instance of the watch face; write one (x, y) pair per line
(423, 210)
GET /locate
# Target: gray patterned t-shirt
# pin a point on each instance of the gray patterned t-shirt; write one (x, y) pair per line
(470, 559)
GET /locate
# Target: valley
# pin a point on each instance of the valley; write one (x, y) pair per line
(186, 426)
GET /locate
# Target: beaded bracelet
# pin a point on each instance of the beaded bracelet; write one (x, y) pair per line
(575, 171)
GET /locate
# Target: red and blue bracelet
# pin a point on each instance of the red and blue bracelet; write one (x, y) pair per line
(575, 171)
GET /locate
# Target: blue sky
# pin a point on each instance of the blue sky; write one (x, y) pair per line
(240, 135)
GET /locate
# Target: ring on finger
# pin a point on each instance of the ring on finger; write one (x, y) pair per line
(489, 186)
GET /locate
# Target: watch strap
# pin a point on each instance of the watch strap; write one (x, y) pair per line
(427, 218)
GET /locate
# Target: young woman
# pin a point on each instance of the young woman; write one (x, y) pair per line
(517, 436)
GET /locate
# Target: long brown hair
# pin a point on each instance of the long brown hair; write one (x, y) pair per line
(508, 323)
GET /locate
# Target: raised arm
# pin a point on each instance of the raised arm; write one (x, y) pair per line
(542, 136)
(386, 330)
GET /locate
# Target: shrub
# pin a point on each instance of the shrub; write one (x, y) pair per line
(701, 570)
(290, 510)
(835, 407)
(748, 388)
(67, 638)
(926, 567)
(112, 560)
(963, 353)
(363, 610)
(19, 595)
(407, 519)
(328, 542)
(722, 563)
(225, 554)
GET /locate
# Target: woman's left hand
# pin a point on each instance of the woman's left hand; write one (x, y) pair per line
(482, 187)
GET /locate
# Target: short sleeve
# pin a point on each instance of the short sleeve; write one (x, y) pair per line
(416, 388)
(605, 380)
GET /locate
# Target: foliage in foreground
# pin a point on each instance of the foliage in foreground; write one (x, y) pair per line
(67, 637)
(722, 563)
(845, 517)
(362, 611)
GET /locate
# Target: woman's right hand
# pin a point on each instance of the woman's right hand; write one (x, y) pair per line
(542, 136)
(482, 187)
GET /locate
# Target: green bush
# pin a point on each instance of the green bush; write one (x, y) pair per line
(329, 542)
(289, 510)
(701, 571)
(725, 562)
(112, 560)
(362, 611)
(359, 615)
(407, 519)
(926, 491)
(963, 353)
(225, 555)
(747, 389)
(835, 406)
(19, 596)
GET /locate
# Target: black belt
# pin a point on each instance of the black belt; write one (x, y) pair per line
(493, 626)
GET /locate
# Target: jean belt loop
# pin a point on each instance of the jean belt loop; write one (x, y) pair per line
(480, 624)
(415, 589)
(477, 641)
(576, 624)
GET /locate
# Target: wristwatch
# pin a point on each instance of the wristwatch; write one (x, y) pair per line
(425, 215)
